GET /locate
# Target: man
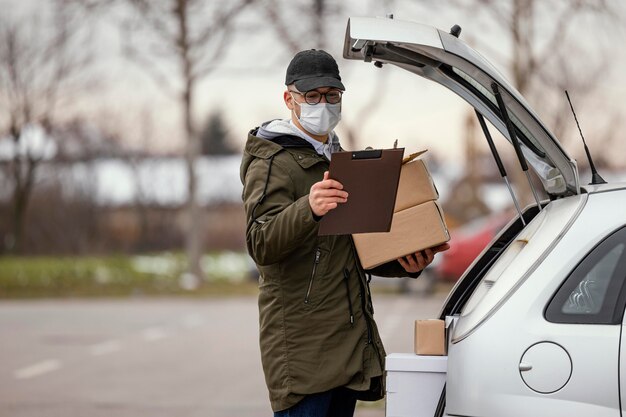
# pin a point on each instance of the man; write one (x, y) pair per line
(320, 346)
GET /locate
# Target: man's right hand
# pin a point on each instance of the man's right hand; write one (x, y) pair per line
(326, 195)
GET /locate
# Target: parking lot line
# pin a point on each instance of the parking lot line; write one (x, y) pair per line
(192, 320)
(106, 347)
(37, 369)
(152, 334)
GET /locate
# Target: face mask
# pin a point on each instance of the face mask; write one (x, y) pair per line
(319, 119)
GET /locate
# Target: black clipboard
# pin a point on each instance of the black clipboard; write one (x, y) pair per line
(371, 179)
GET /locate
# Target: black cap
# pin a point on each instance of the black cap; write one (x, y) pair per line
(312, 69)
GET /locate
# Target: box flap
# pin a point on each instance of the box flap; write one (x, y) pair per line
(411, 157)
(415, 186)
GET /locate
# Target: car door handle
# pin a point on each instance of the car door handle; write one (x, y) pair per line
(523, 367)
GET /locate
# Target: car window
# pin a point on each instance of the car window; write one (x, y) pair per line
(592, 293)
(488, 97)
(588, 296)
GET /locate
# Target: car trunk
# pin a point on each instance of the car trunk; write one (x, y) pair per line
(465, 287)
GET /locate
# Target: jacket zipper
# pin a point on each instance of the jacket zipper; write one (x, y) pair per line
(346, 275)
(318, 253)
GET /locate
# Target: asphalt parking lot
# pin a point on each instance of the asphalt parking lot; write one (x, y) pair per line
(154, 357)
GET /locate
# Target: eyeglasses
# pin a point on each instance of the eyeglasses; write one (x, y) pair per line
(314, 96)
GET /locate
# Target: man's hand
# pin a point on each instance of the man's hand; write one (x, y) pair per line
(420, 260)
(326, 195)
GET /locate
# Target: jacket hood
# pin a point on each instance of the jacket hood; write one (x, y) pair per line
(267, 140)
(277, 127)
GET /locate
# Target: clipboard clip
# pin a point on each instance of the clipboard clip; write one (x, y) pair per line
(367, 154)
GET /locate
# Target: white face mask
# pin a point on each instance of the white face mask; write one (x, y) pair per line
(319, 119)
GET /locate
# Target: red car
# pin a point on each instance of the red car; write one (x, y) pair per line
(466, 243)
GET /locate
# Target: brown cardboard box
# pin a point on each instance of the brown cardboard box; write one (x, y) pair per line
(412, 230)
(415, 186)
(430, 337)
(417, 222)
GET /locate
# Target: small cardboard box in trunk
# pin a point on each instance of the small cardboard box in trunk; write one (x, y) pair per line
(430, 337)
(417, 222)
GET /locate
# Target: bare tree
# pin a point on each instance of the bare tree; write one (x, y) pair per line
(43, 60)
(312, 17)
(180, 42)
(541, 38)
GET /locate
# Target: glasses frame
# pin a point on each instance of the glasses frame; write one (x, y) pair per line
(313, 102)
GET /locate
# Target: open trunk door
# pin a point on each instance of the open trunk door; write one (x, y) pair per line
(443, 58)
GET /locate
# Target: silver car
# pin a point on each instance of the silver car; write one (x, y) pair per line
(538, 317)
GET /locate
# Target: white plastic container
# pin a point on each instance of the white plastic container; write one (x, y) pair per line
(414, 384)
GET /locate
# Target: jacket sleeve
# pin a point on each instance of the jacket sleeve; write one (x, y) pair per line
(392, 269)
(280, 221)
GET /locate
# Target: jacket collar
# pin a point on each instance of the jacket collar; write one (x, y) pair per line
(265, 148)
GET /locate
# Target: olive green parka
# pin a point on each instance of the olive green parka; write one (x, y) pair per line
(317, 330)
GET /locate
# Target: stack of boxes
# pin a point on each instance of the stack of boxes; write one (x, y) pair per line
(417, 221)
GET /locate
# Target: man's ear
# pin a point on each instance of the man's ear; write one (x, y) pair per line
(288, 100)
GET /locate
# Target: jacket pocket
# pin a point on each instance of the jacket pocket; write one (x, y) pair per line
(346, 280)
(316, 262)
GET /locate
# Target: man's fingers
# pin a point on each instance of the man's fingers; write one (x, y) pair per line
(321, 197)
(418, 261)
(441, 248)
(327, 182)
(331, 192)
(404, 264)
(429, 255)
(413, 262)
(330, 184)
(329, 200)
(421, 260)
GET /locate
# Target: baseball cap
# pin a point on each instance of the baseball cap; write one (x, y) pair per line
(312, 69)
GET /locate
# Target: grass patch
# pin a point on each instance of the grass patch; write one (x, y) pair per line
(122, 275)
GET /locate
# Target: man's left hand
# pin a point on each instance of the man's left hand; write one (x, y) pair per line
(420, 260)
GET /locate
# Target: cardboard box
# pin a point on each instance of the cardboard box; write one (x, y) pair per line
(415, 187)
(412, 230)
(417, 222)
(414, 384)
(430, 337)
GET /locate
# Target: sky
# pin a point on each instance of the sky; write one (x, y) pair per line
(248, 83)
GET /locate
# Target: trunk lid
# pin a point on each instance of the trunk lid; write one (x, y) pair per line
(443, 58)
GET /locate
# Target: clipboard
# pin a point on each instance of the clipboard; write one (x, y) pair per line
(371, 179)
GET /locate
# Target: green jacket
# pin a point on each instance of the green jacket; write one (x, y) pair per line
(317, 330)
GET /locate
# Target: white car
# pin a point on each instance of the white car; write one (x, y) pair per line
(538, 317)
